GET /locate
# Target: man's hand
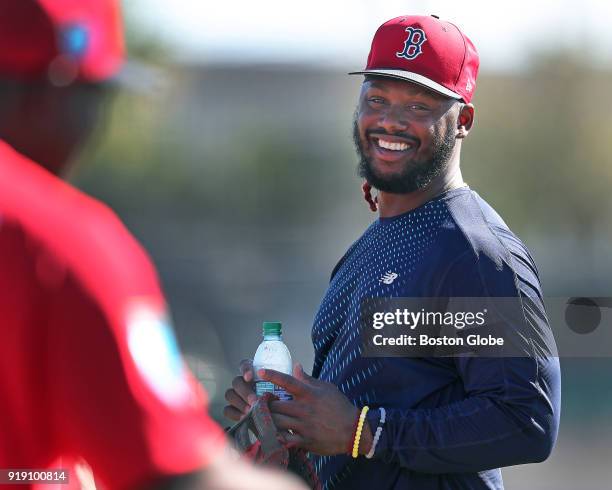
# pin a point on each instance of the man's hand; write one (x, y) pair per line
(320, 417)
(241, 396)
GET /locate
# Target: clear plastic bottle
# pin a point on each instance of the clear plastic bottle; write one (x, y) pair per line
(272, 353)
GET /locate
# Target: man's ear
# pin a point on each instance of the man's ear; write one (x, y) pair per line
(465, 120)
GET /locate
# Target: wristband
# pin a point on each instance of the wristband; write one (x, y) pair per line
(362, 417)
(381, 422)
(349, 448)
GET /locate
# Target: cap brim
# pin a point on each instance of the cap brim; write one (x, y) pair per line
(411, 77)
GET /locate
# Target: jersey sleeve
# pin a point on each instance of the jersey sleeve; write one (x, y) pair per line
(510, 413)
(119, 394)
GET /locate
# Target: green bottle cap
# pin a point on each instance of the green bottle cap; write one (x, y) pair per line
(272, 328)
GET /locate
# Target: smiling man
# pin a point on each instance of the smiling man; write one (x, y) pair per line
(408, 142)
(421, 422)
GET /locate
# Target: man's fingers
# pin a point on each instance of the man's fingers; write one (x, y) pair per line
(299, 373)
(232, 413)
(284, 422)
(291, 408)
(293, 439)
(246, 370)
(242, 388)
(236, 401)
(291, 384)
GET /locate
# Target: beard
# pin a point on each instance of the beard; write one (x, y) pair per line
(415, 174)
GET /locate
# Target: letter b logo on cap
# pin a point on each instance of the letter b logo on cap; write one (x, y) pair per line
(413, 43)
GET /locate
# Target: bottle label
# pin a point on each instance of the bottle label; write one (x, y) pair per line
(262, 387)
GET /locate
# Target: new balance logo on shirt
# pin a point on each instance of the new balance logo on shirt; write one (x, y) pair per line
(388, 278)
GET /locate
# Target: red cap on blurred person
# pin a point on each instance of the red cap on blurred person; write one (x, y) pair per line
(427, 51)
(62, 40)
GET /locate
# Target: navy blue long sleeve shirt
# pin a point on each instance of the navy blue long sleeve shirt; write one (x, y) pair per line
(452, 422)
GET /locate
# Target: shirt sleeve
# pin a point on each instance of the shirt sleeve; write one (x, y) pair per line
(510, 413)
(118, 392)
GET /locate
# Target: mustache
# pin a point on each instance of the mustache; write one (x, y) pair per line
(382, 132)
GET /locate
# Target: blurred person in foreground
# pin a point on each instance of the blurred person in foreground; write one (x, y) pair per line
(421, 422)
(89, 366)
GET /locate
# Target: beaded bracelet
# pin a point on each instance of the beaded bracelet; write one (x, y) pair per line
(362, 417)
(351, 442)
(379, 429)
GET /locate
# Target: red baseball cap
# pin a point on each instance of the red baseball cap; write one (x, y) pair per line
(64, 40)
(427, 51)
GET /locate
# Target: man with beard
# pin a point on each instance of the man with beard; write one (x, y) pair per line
(420, 422)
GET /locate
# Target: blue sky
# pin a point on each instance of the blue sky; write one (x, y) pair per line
(338, 32)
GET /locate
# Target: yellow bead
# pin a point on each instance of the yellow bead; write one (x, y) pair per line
(362, 417)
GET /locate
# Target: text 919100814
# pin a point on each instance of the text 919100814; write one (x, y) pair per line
(17, 476)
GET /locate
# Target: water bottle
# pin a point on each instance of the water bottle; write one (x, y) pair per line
(272, 353)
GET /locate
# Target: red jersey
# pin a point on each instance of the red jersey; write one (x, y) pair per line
(89, 366)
